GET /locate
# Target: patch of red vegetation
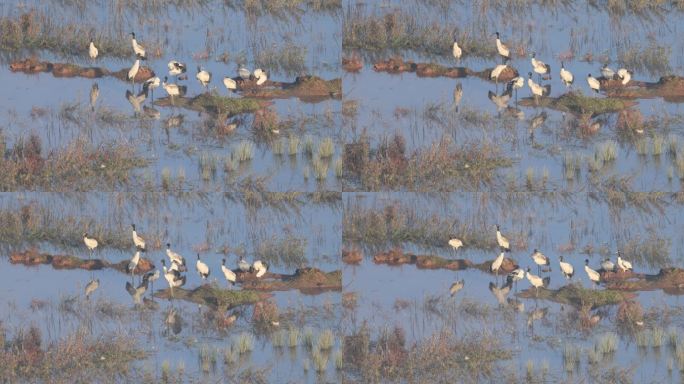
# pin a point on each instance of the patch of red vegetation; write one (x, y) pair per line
(352, 256)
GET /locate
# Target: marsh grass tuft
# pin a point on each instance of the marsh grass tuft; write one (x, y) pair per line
(245, 151)
(244, 343)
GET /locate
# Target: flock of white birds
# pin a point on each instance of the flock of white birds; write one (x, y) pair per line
(543, 69)
(176, 69)
(174, 274)
(540, 260)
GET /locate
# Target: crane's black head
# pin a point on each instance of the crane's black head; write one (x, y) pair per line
(223, 261)
(562, 65)
(528, 269)
(133, 225)
(133, 34)
(497, 34)
(529, 74)
(561, 258)
(168, 245)
(166, 78)
(589, 75)
(163, 262)
(605, 65)
(198, 256)
(534, 54)
(497, 227)
(85, 234)
(586, 261)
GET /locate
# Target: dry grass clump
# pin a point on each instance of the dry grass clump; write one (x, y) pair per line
(35, 30)
(79, 166)
(441, 166)
(458, 358)
(78, 357)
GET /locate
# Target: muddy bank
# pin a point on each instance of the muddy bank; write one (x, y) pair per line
(306, 280)
(577, 103)
(33, 65)
(670, 280)
(352, 256)
(213, 296)
(34, 257)
(398, 65)
(398, 257)
(670, 88)
(578, 296)
(305, 88)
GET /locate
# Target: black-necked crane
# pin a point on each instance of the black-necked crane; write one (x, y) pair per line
(133, 263)
(137, 293)
(152, 83)
(593, 275)
(540, 259)
(540, 67)
(497, 71)
(91, 287)
(133, 71)
(243, 72)
(535, 280)
(243, 265)
(515, 84)
(260, 267)
(503, 50)
(136, 101)
(260, 76)
(501, 101)
(92, 50)
(566, 268)
(138, 241)
(623, 264)
(90, 243)
(496, 264)
(175, 258)
(152, 276)
(456, 51)
(230, 84)
(171, 89)
(566, 76)
(594, 84)
(537, 90)
(458, 95)
(202, 268)
(203, 76)
(230, 276)
(455, 243)
(500, 293)
(94, 94)
(455, 287)
(607, 265)
(173, 277)
(138, 49)
(515, 276)
(176, 68)
(502, 240)
(624, 75)
(607, 72)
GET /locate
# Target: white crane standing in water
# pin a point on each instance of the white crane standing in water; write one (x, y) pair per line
(503, 50)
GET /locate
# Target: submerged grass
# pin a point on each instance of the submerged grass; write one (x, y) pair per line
(287, 250)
